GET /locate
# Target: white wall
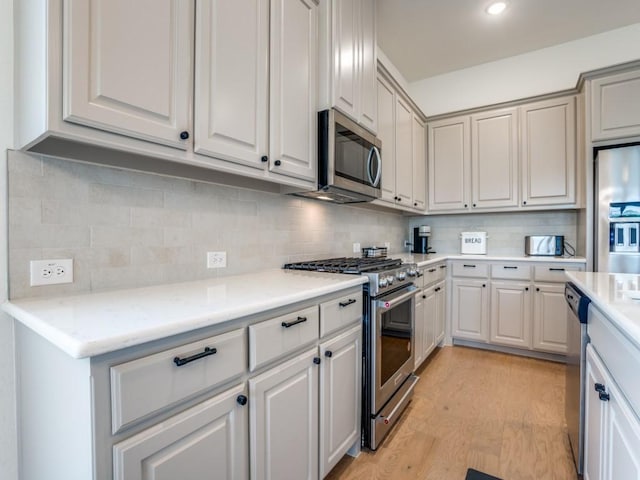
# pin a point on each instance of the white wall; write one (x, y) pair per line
(542, 71)
(8, 452)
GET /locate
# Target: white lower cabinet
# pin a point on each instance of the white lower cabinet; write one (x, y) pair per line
(340, 390)
(550, 318)
(441, 310)
(510, 314)
(210, 437)
(425, 317)
(284, 420)
(612, 430)
(470, 309)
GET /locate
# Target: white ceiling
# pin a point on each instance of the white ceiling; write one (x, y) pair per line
(424, 38)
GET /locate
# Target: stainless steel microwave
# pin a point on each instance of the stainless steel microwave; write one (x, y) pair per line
(349, 161)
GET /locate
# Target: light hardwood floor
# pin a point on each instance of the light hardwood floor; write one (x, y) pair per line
(497, 413)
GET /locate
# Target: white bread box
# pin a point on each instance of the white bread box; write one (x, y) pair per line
(473, 243)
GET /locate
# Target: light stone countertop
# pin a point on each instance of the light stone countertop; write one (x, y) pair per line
(617, 295)
(424, 260)
(95, 323)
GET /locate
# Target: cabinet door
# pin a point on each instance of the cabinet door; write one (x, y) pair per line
(594, 418)
(448, 170)
(419, 331)
(231, 80)
(404, 152)
(469, 309)
(210, 437)
(550, 318)
(387, 135)
(622, 458)
(494, 158)
(369, 64)
(510, 314)
(430, 312)
(419, 164)
(441, 311)
(549, 152)
(284, 420)
(615, 106)
(346, 71)
(293, 90)
(128, 67)
(340, 387)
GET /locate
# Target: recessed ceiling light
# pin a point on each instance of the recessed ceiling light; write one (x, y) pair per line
(496, 8)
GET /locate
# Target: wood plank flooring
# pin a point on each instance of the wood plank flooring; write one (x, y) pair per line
(497, 413)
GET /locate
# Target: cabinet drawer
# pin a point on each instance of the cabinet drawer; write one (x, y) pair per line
(149, 384)
(511, 271)
(554, 273)
(470, 269)
(340, 313)
(432, 274)
(273, 338)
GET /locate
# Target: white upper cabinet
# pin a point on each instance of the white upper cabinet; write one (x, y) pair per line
(404, 152)
(293, 83)
(494, 159)
(387, 135)
(349, 59)
(449, 164)
(548, 144)
(128, 67)
(231, 84)
(419, 164)
(615, 106)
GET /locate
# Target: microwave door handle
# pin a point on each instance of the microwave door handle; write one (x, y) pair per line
(374, 181)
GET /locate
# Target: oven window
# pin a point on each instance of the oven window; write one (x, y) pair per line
(395, 340)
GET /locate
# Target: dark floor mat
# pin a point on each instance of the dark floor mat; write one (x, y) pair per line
(476, 475)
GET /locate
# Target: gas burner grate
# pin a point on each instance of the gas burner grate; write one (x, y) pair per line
(348, 265)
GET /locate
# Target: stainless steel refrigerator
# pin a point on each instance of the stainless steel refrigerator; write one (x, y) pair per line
(617, 210)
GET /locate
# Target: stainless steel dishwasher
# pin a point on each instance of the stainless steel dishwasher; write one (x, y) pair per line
(577, 340)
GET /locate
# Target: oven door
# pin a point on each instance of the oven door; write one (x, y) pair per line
(393, 342)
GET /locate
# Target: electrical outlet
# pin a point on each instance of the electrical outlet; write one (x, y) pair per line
(51, 272)
(356, 248)
(216, 259)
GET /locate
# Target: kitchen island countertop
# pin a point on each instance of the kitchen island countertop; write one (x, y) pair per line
(95, 323)
(617, 295)
(424, 260)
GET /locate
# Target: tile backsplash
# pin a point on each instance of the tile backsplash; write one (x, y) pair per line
(505, 231)
(129, 229)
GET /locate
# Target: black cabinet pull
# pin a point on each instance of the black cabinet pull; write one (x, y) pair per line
(507, 267)
(598, 387)
(415, 204)
(466, 205)
(424, 296)
(556, 269)
(205, 353)
(537, 289)
(316, 360)
(351, 301)
(242, 400)
(431, 270)
(474, 205)
(526, 289)
(443, 266)
(399, 199)
(184, 135)
(277, 163)
(605, 397)
(524, 203)
(264, 158)
(469, 266)
(484, 285)
(295, 322)
(328, 354)
(437, 289)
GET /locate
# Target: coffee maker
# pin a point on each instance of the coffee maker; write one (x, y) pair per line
(421, 236)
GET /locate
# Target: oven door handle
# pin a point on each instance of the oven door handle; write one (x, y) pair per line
(397, 297)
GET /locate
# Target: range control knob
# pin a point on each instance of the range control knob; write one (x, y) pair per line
(412, 272)
(382, 282)
(401, 276)
(390, 279)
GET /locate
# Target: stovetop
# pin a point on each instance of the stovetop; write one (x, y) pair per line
(349, 265)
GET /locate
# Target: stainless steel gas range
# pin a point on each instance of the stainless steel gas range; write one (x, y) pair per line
(388, 344)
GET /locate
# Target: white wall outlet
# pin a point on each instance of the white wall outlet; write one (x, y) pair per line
(216, 259)
(51, 272)
(356, 248)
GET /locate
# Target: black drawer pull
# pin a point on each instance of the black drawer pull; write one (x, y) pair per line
(295, 322)
(328, 354)
(506, 267)
(469, 266)
(351, 301)
(443, 266)
(431, 270)
(605, 397)
(556, 269)
(598, 387)
(242, 400)
(205, 353)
